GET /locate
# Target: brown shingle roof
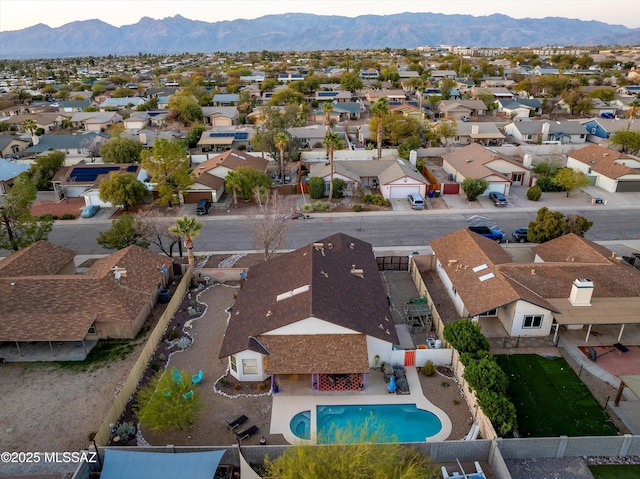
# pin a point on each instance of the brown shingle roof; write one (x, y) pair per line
(572, 248)
(62, 307)
(299, 354)
(232, 159)
(41, 258)
(328, 291)
(603, 160)
(472, 161)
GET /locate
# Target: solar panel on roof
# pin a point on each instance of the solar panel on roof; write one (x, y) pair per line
(327, 93)
(241, 135)
(221, 135)
(131, 168)
(85, 174)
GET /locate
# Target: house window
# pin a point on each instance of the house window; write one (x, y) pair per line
(92, 329)
(492, 312)
(533, 321)
(249, 366)
(529, 137)
(234, 363)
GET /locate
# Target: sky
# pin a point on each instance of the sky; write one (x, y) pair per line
(18, 14)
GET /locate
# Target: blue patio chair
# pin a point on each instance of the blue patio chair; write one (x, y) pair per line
(197, 378)
(188, 395)
(166, 392)
(177, 377)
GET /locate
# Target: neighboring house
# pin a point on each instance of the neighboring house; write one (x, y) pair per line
(318, 311)
(72, 106)
(607, 169)
(485, 133)
(476, 161)
(337, 96)
(84, 180)
(219, 139)
(395, 97)
(528, 299)
(8, 171)
(40, 282)
(210, 174)
(11, 145)
(369, 74)
(395, 178)
(311, 136)
(84, 146)
(14, 110)
(137, 121)
(456, 109)
(95, 121)
(600, 129)
(47, 121)
(220, 99)
(519, 107)
(220, 116)
(348, 110)
(545, 70)
(497, 93)
(164, 91)
(408, 111)
(437, 75)
(560, 131)
(125, 103)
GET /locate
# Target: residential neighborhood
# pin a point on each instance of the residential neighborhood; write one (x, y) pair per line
(458, 210)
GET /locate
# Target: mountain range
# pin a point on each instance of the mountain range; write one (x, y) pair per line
(306, 32)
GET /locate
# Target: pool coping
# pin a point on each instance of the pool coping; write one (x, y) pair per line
(285, 407)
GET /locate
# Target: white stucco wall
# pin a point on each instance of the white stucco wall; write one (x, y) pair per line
(522, 309)
(240, 375)
(310, 326)
(455, 298)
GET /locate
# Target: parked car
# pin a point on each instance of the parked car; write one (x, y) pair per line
(611, 116)
(89, 211)
(202, 208)
(495, 235)
(466, 118)
(498, 199)
(520, 234)
(416, 201)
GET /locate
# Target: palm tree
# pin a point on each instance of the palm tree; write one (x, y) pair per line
(380, 108)
(633, 108)
(232, 182)
(189, 227)
(30, 125)
(327, 108)
(281, 139)
(332, 141)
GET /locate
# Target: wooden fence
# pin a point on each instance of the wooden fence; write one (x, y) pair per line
(131, 384)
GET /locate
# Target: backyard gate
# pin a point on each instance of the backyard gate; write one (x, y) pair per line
(393, 263)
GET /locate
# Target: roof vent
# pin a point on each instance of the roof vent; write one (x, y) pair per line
(452, 261)
(533, 271)
(359, 272)
(352, 245)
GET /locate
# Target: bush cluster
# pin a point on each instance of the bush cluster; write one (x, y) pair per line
(534, 193)
(377, 200)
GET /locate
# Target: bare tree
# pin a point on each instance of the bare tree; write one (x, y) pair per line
(155, 229)
(269, 223)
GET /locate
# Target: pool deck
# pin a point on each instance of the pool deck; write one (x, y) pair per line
(296, 396)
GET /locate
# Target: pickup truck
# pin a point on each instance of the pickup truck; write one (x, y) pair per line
(495, 235)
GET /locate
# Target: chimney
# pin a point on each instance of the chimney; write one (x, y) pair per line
(581, 291)
(545, 130)
(143, 138)
(475, 129)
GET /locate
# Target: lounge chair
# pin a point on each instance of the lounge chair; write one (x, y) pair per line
(197, 378)
(236, 422)
(177, 377)
(247, 432)
(188, 395)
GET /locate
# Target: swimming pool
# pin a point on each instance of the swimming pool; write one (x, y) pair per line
(401, 422)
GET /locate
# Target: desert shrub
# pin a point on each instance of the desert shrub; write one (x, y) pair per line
(68, 216)
(366, 199)
(237, 386)
(534, 193)
(223, 382)
(338, 187)
(429, 369)
(183, 343)
(326, 206)
(172, 335)
(465, 336)
(380, 200)
(316, 187)
(307, 208)
(500, 411)
(125, 430)
(49, 217)
(358, 208)
(486, 374)
(318, 206)
(546, 184)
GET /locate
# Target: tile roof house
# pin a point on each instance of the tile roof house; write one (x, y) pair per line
(122, 103)
(476, 161)
(95, 121)
(600, 129)
(527, 299)
(519, 107)
(459, 108)
(78, 147)
(47, 121)
(612, 171)
(210, 174)
(43, 298)
(485, 133)
(319, 310)
(532, 131)
(12, 145)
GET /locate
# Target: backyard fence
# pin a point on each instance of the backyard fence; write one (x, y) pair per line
(131, 384)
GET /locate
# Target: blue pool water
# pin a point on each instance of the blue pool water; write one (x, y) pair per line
(399, 422)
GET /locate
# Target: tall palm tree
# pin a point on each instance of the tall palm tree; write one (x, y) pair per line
(30, 126)
(332, 141)
(280, 140)
(232, 182)
(634, 106)
(327, 108)
(380, 108)
(189, 227)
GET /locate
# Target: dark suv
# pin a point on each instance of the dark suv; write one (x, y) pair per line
(202, 208)
(495, 235)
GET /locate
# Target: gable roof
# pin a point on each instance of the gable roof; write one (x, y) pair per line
(231, 159)
(92, 174)
(312, 281)
(386, 170)
(602, 160)
(10, 169)
(472, 161)
(61, 142)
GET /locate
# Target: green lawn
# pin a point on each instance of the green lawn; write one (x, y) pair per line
(551, 400)
(622, 471)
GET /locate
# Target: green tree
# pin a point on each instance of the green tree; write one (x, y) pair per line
(316, 187)
(188, 227)
(185, 108)
(332, 141)
(380, 108)
(162, 404)
(569, 179)
(281, 139)
(353, 454)
(30, 126)
(45, 167)
(627, 141)
(249, 179)
(604, 94)
(339, 185)
(232, 182)
(534, 193)
(474, 187)
(500, 411)
(485, 374)
(465, 336)
(547, 168)
(351, 82)
(121, 150)
(124, 232)
(411, 143)
(578, 224)
(193, 137)
(446, 85)
(169, 168)
(286, 96)
(327, 109)
(122, 189)
(547, 226)
(18, 227)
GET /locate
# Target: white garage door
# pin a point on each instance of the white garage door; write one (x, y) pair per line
(403, 191)
(497, 187)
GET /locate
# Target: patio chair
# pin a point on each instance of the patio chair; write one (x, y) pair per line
(177, 377)
(247, 432)
(188, 395)
(236, 422)
(197, 378)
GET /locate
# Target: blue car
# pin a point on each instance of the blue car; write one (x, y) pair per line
(89, 211)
